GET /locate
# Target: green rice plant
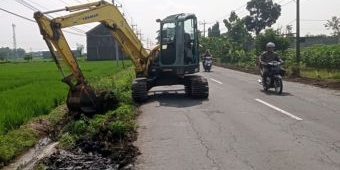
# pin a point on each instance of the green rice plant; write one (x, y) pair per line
(31, 89)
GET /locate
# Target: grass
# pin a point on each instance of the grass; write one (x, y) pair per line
(42, 93)
(320, 73)
(114, 124)
(32, 89)
(13, 143)
(16, 141)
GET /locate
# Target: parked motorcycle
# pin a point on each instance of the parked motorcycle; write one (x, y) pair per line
(274, 78)
(207, 64)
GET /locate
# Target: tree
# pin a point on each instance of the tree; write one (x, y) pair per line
(289, 31)
(28, 57)
(214, 31)
(237, 31)
(263, 13)
(4, 52)
(334, 24)
(20, 52)
(274, 36)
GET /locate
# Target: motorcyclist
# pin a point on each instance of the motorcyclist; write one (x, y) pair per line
(206, 54)
(265, 58)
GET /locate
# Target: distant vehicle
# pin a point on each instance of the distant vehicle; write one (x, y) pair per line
(207, 63)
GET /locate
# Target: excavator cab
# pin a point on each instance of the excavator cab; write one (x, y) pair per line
(178, 41)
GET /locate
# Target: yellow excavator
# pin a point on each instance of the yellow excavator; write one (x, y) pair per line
(173, 62)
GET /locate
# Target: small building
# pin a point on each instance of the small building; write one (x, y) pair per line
(101, 45)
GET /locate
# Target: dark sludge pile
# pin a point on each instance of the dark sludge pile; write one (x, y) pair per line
(93, 155)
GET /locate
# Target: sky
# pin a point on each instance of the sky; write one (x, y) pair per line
(143, 13)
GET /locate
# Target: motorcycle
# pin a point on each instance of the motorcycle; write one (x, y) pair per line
(274, 78)
(207, 64)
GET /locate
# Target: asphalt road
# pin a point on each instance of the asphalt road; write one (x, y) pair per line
(241, 127)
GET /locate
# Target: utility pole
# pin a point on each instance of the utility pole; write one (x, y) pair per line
(139, 34)
(134, 27)
(296, 71)
(14, 42)
(117, 53)
(203, 23)
(147, 43)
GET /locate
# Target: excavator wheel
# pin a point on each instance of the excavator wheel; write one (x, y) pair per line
(140, 90)
(82, 98)
(197, 87)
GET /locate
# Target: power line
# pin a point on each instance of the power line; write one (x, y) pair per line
(78, 1)
(20, 16)
(287, 3)
(127, 16)
(239, 8)
(63, 2)
(37, 4)
(242, 12)
(281, 1)
(314, 20)
(27, 5)
(17, 15)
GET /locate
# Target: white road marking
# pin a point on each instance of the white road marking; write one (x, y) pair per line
(216, 81)
(278, 109)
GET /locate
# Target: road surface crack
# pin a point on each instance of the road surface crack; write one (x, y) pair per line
(237, 155)
(199, 137)
(325, 158)
(318, 103)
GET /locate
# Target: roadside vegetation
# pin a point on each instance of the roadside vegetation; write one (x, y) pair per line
(245, 40)
(105, 139)
(115, 123)
(34, 104)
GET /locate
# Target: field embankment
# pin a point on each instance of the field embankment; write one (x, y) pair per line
(32, 91)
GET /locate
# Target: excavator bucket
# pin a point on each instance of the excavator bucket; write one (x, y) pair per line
(82, 98)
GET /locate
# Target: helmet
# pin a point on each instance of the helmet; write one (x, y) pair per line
(270, 45)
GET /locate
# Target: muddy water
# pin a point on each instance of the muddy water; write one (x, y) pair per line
(93, 155)
(27, 161)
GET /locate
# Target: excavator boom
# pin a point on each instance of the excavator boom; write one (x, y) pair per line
(81, 96)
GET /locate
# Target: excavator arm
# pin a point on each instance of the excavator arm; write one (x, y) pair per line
(81, 96)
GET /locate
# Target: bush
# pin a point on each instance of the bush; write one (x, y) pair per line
(67, 141)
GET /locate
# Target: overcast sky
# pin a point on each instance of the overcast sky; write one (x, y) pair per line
(314, 14)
